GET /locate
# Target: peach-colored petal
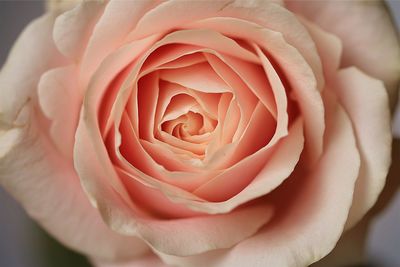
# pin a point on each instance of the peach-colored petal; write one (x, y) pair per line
(169, 235)
(329, 47)
(33, 54)
(210, 39)
(73, 28)
(255, 175)
(108, 194)
(301, 78)
(52, 194)
(193, 77)
(366, 101)
(312, 215)
(135, 158)
(58, 91)
(366, 29)
(50, 191)
(185, 61)
(109, 33)
(148, 260)
(268, 14)
(245, 98)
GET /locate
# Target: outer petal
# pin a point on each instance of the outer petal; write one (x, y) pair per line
(52, 194)
(72, 29)
(366, 102)
(32, 54)
(149, 260)
(108, 35)
(31, 169)
(313, 216)
(351, 247)
(369, 38)
(58, 92)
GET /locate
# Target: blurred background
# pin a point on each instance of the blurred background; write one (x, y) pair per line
(24, 244)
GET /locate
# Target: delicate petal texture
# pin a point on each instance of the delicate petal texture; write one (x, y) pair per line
(53, 84)
(268, 14)
(299, 236)
(73, 28)
(52, 194)
(33, 53)
(329, 47)
(366, 101)
(203, 133)
(118, 19)
(149, 260)
(123, 216)
(50, 191)
(350, 249)
(370, 41)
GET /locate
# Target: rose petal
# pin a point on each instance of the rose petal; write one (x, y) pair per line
(308, 204)
(33, 54)
(51, 193)
(149, 260)
(269, 15)
(73, 28)
(256, 175)
(58, 91)
(369, 37)
(193, 77)
(303, 80)
(366, 101)
(108, 194)
(118, 19)
(329, 47)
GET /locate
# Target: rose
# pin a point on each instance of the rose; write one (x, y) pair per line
(165, 168)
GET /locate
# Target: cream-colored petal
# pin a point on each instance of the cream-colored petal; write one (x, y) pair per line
(366, 101)
(48, 188)
(148, 260)
(109, 33)
(58, 92)
(72, 29)
(33, 54)
(268, 14)
(370, 40)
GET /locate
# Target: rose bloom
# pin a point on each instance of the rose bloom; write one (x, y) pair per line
(200, 133)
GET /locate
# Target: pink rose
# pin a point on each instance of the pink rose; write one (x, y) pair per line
(223, 133)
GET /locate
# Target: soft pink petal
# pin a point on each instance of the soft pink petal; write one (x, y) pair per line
(107, 193)
(366, 101)
(73, 28)
(50, 191)
(32, 170)
(303, 80)
(209, 39)
(329, 47)
(58, 92)
(268, 14)
(255, 175)
(194, 77)
(149, 260)
(109, 33)
(33, 54)
(313, 210)
(370, 40)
